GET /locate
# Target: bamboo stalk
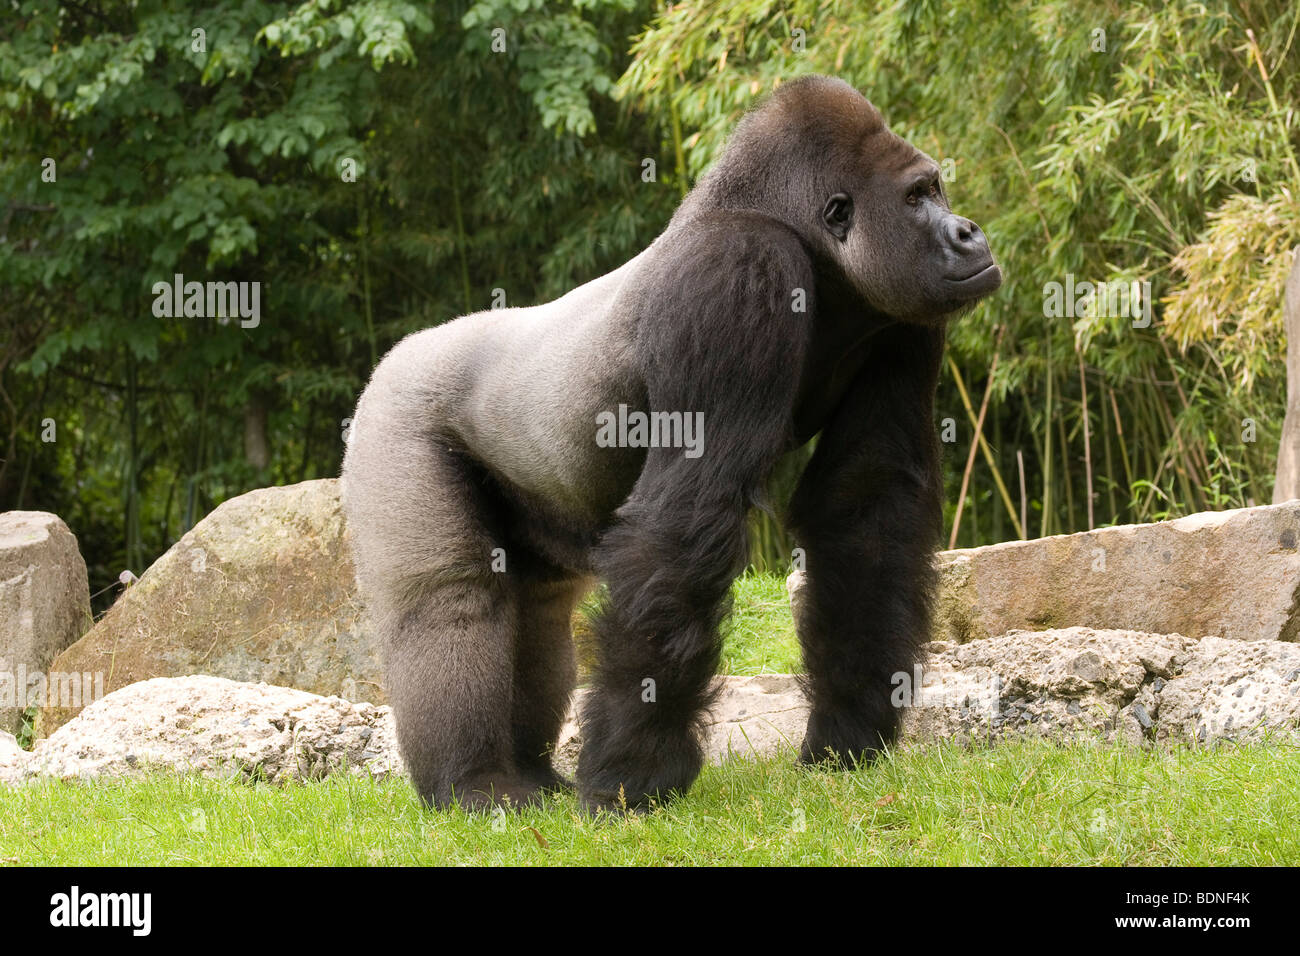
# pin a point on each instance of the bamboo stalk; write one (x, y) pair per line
(1087, 439)
(1024, 498)
(1047, 443)
(979, 432)
(1110, 465)
(1065, 478)
(984, 446)
(1123, 450)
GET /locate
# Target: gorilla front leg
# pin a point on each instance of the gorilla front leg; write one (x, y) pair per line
(669, 575)
(867, 513)
(724, 348)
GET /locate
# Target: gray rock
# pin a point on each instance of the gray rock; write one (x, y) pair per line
(1108, 685)
(262, 589)
(1142, 716)
(1230, 574)
(1066, 684)
(1069, 683)
(13, 759)
(44, 606)
(1233, 690)
(220, 728)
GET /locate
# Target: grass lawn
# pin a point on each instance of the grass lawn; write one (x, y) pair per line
(759, 637)
(1017, 803)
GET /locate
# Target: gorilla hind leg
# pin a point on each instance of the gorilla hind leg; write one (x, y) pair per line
(423, 534)
(448, 668)
(545, 671)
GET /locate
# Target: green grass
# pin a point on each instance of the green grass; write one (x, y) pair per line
(1017, 803)
(759, 637)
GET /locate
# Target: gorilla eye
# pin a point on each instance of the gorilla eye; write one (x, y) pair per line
(921, 191)
(838, 215)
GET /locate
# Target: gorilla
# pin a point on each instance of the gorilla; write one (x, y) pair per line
(500, 464)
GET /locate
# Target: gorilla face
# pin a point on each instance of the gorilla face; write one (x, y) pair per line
(897, 242)
(818, 157)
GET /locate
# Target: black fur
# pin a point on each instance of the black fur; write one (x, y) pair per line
(680, 538)
(481, 435)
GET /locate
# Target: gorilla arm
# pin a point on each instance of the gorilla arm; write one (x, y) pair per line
(722, 340)
(867, 513)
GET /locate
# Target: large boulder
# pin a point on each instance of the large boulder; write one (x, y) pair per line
(1095, 685)
(1068, 684)
(44, 606)
(1230, 574)
(218, 728)
(262, 589)
(1244, 691)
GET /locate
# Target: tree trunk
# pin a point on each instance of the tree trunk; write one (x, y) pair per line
(257, 447)
(1287, 485)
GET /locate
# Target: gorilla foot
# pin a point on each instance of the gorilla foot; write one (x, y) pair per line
(616, 802)
(546, 779)
(828, 756)
(477, 796)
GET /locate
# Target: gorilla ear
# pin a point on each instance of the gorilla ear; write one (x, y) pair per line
(838, 216)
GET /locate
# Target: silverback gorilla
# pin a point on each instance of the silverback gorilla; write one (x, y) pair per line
(801, 289)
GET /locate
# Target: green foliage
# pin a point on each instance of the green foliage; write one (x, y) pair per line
(371, 163)
(759, 636)
(382, 165)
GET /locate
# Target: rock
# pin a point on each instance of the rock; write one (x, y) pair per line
(220, 728)
(794, 585)
(262, 589)
(13, 759)
(1229, 574)
(754, 716)
(1236, 690)
(44, 606)
(1071, 683)
(1077, 684)
(1083, 684)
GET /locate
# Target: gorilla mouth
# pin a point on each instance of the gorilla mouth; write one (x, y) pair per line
(980, 282)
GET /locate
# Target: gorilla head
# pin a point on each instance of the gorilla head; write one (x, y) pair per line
(818, 156)
(801, 289)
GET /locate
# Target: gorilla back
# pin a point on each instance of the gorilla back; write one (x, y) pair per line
(499, 464)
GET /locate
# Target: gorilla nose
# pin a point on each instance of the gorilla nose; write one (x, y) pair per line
(964, 236)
